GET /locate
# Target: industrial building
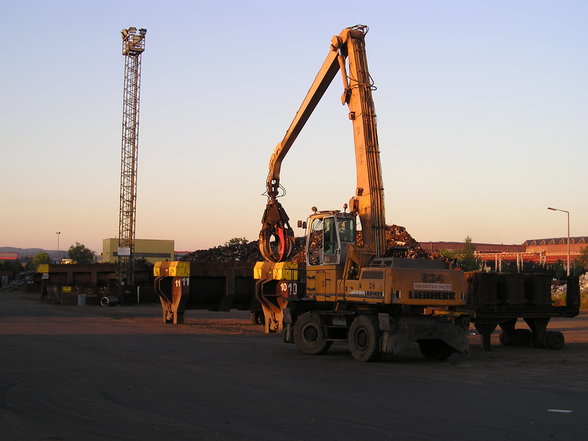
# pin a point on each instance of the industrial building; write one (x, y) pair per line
(436, 247)
(541, 251)
(556, 248)
(152, 250)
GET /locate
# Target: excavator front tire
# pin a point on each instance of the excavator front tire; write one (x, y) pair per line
(309, 336)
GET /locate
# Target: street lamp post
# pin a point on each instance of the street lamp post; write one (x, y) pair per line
(568, 213)
(58, 233)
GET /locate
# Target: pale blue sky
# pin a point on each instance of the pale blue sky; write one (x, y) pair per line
(482, 116)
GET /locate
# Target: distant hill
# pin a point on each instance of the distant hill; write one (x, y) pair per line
(29, 252)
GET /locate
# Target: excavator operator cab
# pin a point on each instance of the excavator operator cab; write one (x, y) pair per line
(328, 236)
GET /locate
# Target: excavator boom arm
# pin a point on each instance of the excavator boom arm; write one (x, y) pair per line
(315, 93)
(276, 237)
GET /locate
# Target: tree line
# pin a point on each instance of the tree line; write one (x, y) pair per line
(77, 253)
(464, 259)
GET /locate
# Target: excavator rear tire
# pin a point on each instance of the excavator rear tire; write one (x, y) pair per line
(364, 338)
(309, 336)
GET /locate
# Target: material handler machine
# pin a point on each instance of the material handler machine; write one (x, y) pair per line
(373, 297)
(362, 292)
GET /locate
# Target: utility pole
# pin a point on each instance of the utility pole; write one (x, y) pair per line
(57, 258)
(133, 45)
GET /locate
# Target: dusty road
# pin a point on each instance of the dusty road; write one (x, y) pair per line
(91, 373)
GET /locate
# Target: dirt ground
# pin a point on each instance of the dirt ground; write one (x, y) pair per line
(89, 373)
(146, 319)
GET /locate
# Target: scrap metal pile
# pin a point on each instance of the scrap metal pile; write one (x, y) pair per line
(238, 252)
(396, 238)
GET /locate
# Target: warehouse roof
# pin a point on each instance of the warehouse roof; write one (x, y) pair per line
(557, 240)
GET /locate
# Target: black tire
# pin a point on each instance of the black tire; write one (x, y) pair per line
(537, 342)
(364, 338)
(554, 340)
(505, 339)
(309, 336)
(522, 337)
(258, 318)
(435, 350)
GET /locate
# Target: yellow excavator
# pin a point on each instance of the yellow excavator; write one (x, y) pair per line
(371, 296)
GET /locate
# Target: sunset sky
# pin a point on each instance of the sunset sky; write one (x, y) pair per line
(482, 117)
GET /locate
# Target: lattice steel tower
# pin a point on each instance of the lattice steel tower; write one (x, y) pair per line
(133, 45)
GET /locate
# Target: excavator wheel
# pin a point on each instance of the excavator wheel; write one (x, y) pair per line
(522, 337)
(435, 350)
(554, 340)
(364, 338)
(309, 336)
(505, 339)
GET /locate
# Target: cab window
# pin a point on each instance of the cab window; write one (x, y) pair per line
(346, 230)
(315, 242)
(331, 245)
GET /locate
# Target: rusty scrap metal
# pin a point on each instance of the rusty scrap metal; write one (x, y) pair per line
(396, 236)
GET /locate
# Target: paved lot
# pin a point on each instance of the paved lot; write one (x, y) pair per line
(91, 373)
